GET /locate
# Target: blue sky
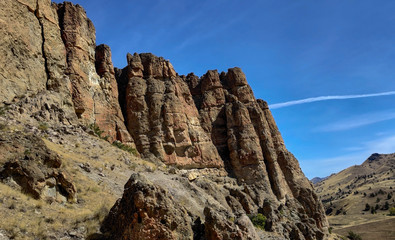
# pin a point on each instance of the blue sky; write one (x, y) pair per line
(289, 50)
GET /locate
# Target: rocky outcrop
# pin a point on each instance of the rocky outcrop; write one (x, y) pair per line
(29, 49)
(181, 119)
(161, 115)
(28, 163)
(50, 56)
(147, 212)
(219, 225)
(93, 86)
(219, 142)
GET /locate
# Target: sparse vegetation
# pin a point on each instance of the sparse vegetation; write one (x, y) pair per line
(386, 206)
(367, 207)
(43, 126)
(373, 211)
(392, 211)
(353, 236)
(97, 131)
(124, 147)
(3, 110)
(259, 220)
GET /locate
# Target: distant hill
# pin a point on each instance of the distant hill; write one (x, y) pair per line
(361, 194)
(317, 180)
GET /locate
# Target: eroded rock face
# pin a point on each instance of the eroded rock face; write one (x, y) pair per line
(93, 86)
(161, 115)
(256, 152)
(49, 55)
(169, 116)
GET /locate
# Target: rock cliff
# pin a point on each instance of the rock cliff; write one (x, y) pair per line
(214, 142)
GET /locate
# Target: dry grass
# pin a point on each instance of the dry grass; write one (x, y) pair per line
(27, 218)
(383, 230)
(348, 192)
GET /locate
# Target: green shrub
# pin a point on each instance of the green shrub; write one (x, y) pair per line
(43, 126)
(367, 207)
(353, 236)
(392, 211)
(124, 147)
(373, 211)
(258, 220)
(97, 131)
(3, 110)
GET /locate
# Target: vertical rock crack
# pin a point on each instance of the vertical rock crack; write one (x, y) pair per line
(37, 14)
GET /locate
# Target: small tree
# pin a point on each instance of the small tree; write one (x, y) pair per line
(386, 206)
(258, 220)
(367, 207)
(373, 211)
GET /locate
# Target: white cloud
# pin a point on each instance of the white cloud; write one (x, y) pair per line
(358, 121)
(326, 98)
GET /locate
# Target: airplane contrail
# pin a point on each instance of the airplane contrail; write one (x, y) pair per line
(325, 98)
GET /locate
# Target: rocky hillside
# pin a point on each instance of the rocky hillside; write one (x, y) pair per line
(205, 157)
(361, 194)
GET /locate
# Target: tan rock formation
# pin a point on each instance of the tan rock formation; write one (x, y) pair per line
(31, 48)
(50, 56)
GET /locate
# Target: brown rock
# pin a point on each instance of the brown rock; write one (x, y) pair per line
(250, 144)
(78, 34)
(34, 169)
(220, 225)
(162, 118)
(108, 114)
(146, 211)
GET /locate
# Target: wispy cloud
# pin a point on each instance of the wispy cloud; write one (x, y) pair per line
(358, 121)
(321, 167)
(206, 34)
(326, 98)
